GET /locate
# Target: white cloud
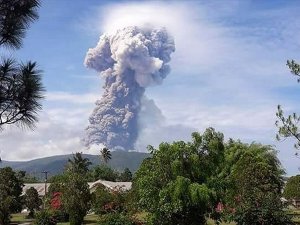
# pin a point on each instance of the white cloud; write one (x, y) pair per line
(59, 131)
(49, 138)
(87, 98)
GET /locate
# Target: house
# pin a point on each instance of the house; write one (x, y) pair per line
(40, 187)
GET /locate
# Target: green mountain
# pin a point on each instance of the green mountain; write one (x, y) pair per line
(56, 164)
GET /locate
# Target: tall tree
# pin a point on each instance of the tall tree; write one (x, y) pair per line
(288, 125)
(174, 184)
(76, 195)
(105, 155)
(254, 185)
(10, 194)
(78, 164)
(104, 172)
(32, 201)
(292, 188)
(21, 89)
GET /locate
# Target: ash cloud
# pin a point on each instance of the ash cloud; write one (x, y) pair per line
(129, 60)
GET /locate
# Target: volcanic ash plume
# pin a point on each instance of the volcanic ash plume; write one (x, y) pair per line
(129, 60)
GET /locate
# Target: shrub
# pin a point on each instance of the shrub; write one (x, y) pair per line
(115, 219)
(108, 201)
(60, 215)
(44, 217)
(57, 208)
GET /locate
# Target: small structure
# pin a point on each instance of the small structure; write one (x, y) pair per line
(40, 187)
(124, 186)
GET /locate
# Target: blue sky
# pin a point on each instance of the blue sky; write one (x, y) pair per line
(228, 71)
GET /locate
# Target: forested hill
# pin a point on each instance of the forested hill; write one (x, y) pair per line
(55, 164)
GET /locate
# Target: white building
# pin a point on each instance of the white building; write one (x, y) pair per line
(40, 187)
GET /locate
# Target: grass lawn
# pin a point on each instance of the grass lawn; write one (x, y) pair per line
(20, 218)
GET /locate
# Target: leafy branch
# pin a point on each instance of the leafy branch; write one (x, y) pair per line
(288, 125)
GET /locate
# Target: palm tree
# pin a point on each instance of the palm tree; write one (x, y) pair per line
(105, 154)
(79, 164)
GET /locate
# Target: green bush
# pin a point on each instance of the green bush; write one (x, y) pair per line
(106, 201)
(115, 219)
(44, 217)
(60, 215)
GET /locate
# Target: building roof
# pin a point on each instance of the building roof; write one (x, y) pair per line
(125, 186)
(40, 187)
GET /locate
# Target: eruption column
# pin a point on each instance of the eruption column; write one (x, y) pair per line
(129, 60)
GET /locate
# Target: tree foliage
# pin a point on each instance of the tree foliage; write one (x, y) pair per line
(78, 164)
(101, 197)
(104, 172)
(292, 188)
(105, 155)
(21, 89)
(183, 182)
(56, 183)
(44, 217)
(55, 194)
(10, 194)
(15, 18)
(28, 178)
(294, 68)
(116, 219)
(20, 93)
(174, 184)
(76, 198)
(76, 195)
(288, 125)
(32, 201)
(254, 185)
(126, 175)
(107, 201)
(73, 190)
